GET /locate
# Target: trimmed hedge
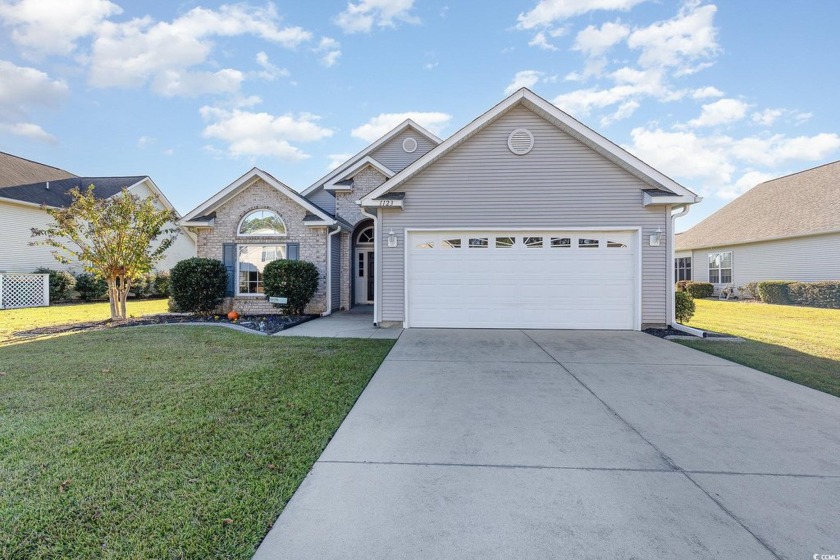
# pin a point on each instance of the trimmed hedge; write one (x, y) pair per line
(810, 294)
(699, 289)
(91, 287)
(297, 281)
(680, 287)
(61, 283)
(752, 289)
(683, 307)
(198, 285)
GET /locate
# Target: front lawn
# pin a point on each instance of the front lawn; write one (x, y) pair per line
(801, 344)
(164, 442)
(14, 320)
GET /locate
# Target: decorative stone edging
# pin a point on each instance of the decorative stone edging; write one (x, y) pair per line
(201, 324)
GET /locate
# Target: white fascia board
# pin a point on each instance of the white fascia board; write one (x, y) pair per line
(207, 224)
(353, 170)
(524, 94)
(381, 203)
(245, 180)
(650, 200)
(329, 177)
(23, 202)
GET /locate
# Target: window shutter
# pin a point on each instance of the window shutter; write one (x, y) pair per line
(293, 251)
(229, 260)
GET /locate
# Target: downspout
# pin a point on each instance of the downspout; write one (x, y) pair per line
(377, 251)
(329, 270)
(672, 318)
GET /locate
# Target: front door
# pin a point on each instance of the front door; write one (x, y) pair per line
(364, 275)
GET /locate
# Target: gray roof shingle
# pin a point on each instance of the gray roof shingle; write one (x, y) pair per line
(57, 195)
(804, 203)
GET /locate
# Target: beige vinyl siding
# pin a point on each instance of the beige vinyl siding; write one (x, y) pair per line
(335, 272)
(560, 184)
(184, 245)
(16, 255)
(392, 155)
(323, 199)
(806, 259)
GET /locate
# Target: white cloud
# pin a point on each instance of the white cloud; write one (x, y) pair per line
(713, 161)
(45, 27)
(384, 122)
(524, 78)
(767, 116)
(595, 41)
(269, 71)
(541, 41)
(145, 141)
(361, 17)
(549, 12)
(336, 160)
(30, 131)
(139, 51)
(625, 110)
(330, 50)
(677, 42)
(249, 133)
(706, 93)
(747, 181)
(722, 111)
(22, 89)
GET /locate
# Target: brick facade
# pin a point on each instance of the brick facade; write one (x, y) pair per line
(260, 195)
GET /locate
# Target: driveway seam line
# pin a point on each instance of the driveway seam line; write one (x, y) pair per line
(665, 457)
(496, 466)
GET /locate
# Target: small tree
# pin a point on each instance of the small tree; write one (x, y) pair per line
(683, 307)
(297, 281)
(111, 237)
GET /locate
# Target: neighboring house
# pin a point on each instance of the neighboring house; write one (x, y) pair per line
(21, 210)
(784, 229)
(525, 218)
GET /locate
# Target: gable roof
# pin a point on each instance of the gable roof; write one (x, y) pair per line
(408, 123)
(200, 212)
(345, 179)
(15, 170)
(57, 193)
(673, 191)
(804, 203)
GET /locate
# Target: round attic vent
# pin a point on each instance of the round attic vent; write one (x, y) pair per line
(521, 141)
(409, 145)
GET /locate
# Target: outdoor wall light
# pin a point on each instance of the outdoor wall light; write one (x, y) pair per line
(392, 239)
(656, 237)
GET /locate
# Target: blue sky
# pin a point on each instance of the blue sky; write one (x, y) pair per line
(718, 96)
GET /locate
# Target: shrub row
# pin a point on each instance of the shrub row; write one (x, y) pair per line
(809, 294)
(696, 289)
(89, 287)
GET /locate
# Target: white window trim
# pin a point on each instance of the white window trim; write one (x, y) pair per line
(236, 292)
(245, 217)
(730, 268)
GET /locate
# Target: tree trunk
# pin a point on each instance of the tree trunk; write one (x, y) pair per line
(125, 285)
(113, 297)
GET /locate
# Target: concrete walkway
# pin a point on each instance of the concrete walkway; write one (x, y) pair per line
(356, 323)
(566, 444)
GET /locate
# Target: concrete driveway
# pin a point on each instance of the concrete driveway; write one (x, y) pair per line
(565, 444)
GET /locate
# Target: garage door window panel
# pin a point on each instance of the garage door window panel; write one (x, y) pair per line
(588, 243)
(561, 242)
(478, 243)
(451, 244)
(533, 242)
(505, 242)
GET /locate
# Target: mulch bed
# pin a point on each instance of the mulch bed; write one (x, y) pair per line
(268, 324)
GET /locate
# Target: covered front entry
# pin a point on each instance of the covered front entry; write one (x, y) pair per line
(552, 279)
(364, 265)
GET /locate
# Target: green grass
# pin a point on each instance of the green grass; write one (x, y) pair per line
(14, 320)
(164, 442)
(801, 344)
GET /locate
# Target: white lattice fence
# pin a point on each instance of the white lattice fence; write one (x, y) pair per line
(24, 290)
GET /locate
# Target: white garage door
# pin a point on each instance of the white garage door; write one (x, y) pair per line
(515, 279)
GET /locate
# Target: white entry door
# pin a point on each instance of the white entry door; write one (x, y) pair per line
(516, 279)
(364, 274)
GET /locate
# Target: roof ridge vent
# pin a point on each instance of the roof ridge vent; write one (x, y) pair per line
(520, 141)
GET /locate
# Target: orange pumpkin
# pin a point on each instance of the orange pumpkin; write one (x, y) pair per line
(233, 315)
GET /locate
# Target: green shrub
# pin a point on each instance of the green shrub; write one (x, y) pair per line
(297, 281)
(775, 291)
(680, 287)
(162, 284)
(91, 287)
(683, 307)
(815, 294)
(142, 287)
(699, 289)
(752, 289)
(198, 285)
(61, 283)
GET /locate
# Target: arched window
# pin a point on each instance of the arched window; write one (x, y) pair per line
(365, 236)
(262, 223)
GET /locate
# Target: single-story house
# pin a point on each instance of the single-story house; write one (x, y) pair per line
(21, 210)
(524, 218)
(784, 229)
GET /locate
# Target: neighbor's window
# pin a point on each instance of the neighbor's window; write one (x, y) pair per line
(720, 268)
(262, 223)
(682, 268)
(250, 263)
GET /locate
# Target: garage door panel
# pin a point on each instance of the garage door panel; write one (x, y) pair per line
(522, 286)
